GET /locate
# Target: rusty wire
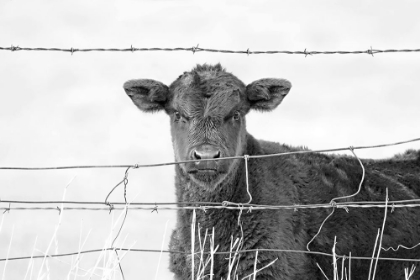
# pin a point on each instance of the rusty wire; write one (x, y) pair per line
(194, 49)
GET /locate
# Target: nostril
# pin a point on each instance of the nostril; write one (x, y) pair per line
(205, 153)
(196, 155)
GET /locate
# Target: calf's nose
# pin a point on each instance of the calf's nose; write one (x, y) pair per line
(206, 152)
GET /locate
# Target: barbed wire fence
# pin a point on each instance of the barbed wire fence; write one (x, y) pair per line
(197, 48)
(203, 206)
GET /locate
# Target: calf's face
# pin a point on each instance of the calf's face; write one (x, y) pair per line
(207, 109)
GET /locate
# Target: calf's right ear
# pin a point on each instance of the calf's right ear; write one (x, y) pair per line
(147, 95)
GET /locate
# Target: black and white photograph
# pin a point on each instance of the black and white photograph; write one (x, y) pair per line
(209, 140)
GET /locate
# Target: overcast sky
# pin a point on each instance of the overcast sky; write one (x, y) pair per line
(62, 109)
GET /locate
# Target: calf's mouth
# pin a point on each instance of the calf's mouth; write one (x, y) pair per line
(207, 171)
(203, 167)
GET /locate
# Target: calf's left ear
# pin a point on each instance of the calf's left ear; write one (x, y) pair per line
(267, 94)
(147, 95)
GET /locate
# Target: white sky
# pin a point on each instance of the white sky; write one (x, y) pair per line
(62, 109)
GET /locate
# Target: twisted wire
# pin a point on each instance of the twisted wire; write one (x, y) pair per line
(195, 49)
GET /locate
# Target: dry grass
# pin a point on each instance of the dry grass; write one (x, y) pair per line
(107, 263)
(206, 263)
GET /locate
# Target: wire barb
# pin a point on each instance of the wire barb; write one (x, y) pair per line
(111, 207)
(7, 210)
(13, 48)
(155, 209)
(194, 49)
(370, 51)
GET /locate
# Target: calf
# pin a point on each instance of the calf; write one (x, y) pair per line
(207, 108)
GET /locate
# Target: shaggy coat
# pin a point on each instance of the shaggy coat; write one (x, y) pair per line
(207, 108)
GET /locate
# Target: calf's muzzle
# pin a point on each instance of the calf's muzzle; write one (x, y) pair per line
(205, 151)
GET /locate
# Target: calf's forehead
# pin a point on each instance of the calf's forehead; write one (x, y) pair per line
(207, 93)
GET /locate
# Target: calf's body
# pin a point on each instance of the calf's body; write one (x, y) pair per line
(207, 107)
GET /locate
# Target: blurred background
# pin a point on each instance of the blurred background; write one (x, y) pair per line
(60, 109)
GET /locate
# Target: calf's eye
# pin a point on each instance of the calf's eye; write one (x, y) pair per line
(236, 116)
(177, 115)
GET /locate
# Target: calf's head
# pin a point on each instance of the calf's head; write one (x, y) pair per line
(207, 108)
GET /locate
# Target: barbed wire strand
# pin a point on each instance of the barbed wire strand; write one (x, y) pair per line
(222, 158)
(239, 207)
(199, 252)
(215, 204)
(195, 49)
